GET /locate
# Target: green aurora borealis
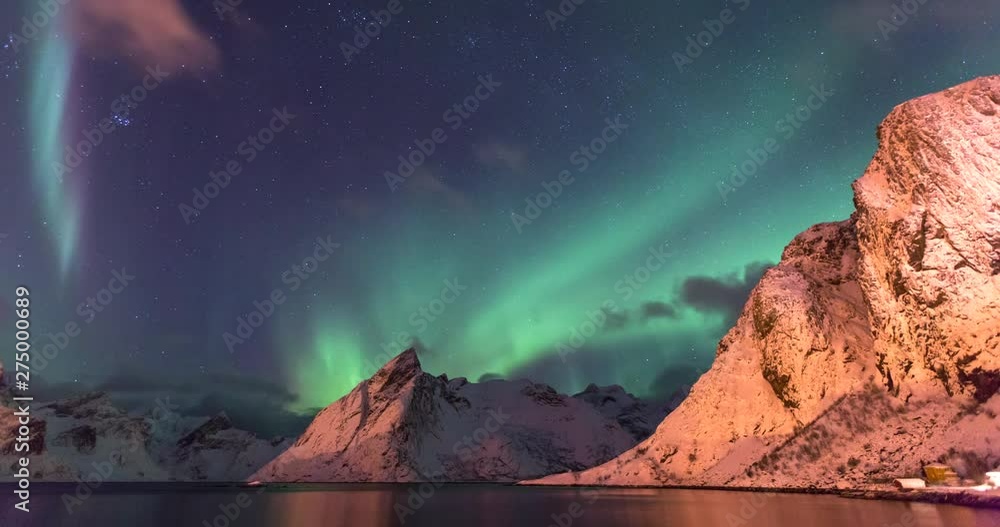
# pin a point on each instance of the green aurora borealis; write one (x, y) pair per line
(517, 310)
(654, 188)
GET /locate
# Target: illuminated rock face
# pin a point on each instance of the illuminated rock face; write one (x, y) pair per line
(929, 229)
(866, 331)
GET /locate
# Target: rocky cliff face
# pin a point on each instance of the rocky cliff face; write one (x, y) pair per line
(406, 425)
(875, 344)
(929, 220)
(68, 437)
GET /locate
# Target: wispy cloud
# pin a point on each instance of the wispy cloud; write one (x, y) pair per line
(146, 32)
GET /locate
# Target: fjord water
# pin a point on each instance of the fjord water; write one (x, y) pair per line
(481, 506)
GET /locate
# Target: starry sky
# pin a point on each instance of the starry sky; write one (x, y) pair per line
(628, 272)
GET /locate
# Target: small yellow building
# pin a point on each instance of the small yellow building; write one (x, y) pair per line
(938, 474)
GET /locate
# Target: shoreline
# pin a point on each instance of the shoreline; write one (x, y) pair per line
(935, 495)
(963, 498)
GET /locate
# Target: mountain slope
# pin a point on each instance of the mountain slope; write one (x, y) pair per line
(406, 425)
(893, 312)
(71, 437)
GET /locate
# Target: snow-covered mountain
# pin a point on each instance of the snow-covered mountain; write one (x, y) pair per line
(406, 425)
(874, 346)
(75, 437)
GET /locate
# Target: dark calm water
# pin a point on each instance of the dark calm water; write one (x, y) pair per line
(477, 506)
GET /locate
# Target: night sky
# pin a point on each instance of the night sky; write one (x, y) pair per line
(635, 264)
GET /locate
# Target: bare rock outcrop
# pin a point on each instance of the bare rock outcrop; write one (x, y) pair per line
(929, 223)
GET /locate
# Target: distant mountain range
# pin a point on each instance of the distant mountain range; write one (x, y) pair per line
(88, 435)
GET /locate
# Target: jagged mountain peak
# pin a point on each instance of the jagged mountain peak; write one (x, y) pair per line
(399, 371)
(611, 388)
(406, 361)
(209, 427)
(406, 425)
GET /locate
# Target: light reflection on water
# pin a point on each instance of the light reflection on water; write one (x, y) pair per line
(479, 506)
